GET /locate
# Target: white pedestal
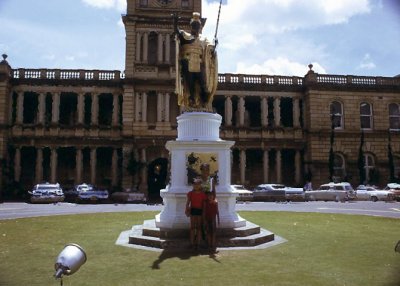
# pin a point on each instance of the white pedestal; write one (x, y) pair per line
(198, 132)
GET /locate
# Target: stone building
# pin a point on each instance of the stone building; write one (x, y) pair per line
(110, 128)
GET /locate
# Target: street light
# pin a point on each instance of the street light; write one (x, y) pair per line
(69, 260)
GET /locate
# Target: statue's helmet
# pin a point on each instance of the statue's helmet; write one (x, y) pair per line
(196, 20)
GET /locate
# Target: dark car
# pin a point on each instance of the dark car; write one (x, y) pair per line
(269, 192)
(86, 193)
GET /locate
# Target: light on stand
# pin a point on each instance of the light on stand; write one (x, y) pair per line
(69, 260)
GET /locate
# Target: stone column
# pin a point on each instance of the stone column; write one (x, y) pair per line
(242, 166)
(41, 107)
(167, 48)
(20, 108)
(138, 46)
(93, 163)
(115, 112)
(241, 111)
(160, 48)
(277, 112)
(264, 112)
(81, 109)
(137, 107)
(228, 111)
(53, 165)
(39, 165)
(55, 110)
(296, 112)
(159, 107)
(17, 164)
(278, 166)
(166, 103)
(297, 165)
(144, 107)
(266, 166)
(114, 167)
(95, 109)
(79, 165)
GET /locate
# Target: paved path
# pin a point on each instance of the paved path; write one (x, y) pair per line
(20, 210)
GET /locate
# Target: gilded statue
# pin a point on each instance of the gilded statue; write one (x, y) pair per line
(196, 67)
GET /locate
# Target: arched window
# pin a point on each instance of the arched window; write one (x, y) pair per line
(339, 167)
(394, 116)
(369, 167)
(185, 3)
(366, 115)
(336, 110)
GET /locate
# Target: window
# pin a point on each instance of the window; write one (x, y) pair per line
(185, 3)
(336, 110)
(339, 168)
(394, 116)
(366, 115)
(143, 3)
(369, 167)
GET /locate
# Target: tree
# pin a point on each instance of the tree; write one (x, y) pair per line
(361, 160)
(133, 168)
(331, 161)
(390, 158)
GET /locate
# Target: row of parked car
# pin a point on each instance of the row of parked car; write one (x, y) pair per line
(53, 193)
(339, 192)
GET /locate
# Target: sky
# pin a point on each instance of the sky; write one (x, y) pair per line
(272, 37)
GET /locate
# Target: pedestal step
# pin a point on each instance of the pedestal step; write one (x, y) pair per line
(149, 235)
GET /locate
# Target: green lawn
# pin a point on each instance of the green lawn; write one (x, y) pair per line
(322, 249)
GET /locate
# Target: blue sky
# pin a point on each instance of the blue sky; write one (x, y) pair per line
(274, 37)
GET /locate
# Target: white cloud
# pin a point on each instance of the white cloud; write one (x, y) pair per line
(263, 34)
(278, 66)
(119, 5)
(367, 63)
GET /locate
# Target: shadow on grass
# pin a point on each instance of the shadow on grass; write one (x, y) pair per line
(182, 255)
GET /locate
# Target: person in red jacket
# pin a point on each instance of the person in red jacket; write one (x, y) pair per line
(210, 218)
(194, 210)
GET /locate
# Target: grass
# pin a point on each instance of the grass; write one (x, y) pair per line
(322, 249)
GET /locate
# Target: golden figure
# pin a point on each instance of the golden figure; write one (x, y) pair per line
(196, 68)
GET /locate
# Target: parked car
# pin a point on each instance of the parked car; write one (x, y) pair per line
(395, 189)
(128, 196)
(244, 195)
(371, 193)
(90, 193)
(339, 192)
(269, 192)
(46, 193)
(294, 194)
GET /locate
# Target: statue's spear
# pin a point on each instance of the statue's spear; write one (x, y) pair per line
(216, 28)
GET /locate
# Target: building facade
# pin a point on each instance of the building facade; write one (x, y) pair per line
(110, 128)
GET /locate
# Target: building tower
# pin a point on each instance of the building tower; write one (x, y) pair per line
(149, 103)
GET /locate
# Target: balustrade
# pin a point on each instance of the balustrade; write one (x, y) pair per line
(67, 74)
(222, 78)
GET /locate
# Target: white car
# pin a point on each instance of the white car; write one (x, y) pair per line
(371, 193)
(46, 193)
(294, 194)
(338, 192)
(243, 193)
(270, 192)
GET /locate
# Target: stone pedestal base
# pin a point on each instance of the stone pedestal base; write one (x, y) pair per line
(149, 235)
